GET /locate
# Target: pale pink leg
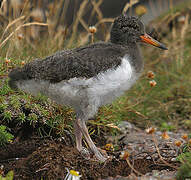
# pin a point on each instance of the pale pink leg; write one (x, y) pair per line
(81, 124)
(78, 135)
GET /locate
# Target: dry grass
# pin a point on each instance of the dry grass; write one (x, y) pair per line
(176, 49)
(38, 13)
(129, 6)
(54, 14)
(18, 28)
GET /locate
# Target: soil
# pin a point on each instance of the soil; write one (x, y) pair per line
(36, 158)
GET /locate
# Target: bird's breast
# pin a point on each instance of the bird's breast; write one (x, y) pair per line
(112, 83)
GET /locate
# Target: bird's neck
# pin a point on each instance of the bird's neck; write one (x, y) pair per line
(136, 57)
(133, 50)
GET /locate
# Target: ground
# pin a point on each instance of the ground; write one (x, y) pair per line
(49, 158)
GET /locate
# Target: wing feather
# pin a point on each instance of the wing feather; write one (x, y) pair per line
(83, 62)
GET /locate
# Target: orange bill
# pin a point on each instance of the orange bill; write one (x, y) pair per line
(149, 40)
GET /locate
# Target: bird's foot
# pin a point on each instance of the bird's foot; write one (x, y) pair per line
(85, 153)
(101, 157)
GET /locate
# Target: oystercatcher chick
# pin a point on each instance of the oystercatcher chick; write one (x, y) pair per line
(88, 77)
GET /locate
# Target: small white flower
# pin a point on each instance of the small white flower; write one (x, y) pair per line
(72, 175)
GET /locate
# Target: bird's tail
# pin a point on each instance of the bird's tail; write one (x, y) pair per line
(14, 76)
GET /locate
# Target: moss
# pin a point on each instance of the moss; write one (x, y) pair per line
(8, 176)
(184, 172)
(5, 137)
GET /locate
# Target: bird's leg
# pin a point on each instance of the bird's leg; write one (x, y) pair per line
(78, 135)
(84, 130)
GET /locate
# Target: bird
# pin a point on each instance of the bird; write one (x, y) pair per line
(88, 77)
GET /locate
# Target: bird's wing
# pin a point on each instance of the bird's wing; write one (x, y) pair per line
(83, 62)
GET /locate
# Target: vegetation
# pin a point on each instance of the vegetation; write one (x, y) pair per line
(9, 176)
(185, 159)
(167, 104)
(5, 137)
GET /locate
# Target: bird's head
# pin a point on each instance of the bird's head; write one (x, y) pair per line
(129, 29)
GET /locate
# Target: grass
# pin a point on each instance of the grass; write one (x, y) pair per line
(185, 159)
(175, 9)
(167, 105)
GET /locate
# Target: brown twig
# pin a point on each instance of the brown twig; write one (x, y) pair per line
(161, 158)
(129, 5)
(140, 174)
(18, 28)
(10, 24)
(76, 22)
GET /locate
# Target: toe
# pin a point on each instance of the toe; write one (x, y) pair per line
(100, 157)
(85, 153)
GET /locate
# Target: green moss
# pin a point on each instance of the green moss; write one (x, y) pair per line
(15, 102)
(7, 115)
(3, 106)
(5, 137)
(8, 176)
(32, 117)
(21, 117)
(184, 172)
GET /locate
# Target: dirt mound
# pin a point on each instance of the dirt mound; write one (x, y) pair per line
(50, 158)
